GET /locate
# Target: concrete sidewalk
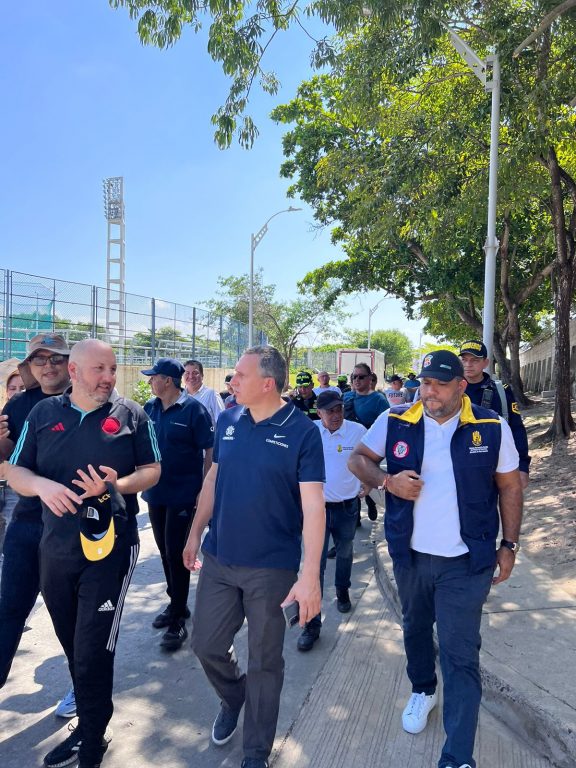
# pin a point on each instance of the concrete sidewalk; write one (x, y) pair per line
(528, 656)
(341, 702)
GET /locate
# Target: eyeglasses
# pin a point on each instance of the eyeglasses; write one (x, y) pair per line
(52, 359)
(360, 376)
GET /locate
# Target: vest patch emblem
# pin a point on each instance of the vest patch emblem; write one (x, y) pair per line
(477, 446)
(400, 449)
(515, 408)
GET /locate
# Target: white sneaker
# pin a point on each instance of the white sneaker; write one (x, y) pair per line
(415, 715)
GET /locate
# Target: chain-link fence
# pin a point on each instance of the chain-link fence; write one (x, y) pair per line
(142, 329)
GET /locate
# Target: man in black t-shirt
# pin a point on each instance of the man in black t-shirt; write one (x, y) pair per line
(77, 451)
(44, 371)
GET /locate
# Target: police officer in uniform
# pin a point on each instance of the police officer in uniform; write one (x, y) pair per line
(483, 390)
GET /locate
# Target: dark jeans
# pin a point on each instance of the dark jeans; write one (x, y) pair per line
(224, 597)
(170, 526)
(85, 601)
(443, 590)
(19, 587)
(341, 523)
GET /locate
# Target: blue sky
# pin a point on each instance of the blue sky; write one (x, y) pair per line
(83, 100)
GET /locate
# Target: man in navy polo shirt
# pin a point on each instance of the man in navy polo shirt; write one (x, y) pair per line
(86, 443)
(185, 438)
(263, 491)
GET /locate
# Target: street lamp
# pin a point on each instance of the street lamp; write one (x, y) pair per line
(370, 313)
(488, 72)
(254, 243)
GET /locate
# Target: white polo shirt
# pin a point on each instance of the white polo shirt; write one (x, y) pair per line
(317, 390)
(211, 400)
(436, 518)
(341, 484)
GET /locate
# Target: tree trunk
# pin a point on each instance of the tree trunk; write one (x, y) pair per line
(562, 422)
(514, 346)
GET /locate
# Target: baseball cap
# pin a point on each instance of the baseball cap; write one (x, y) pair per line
(166, 366)
(328, 400)
(48, 342)
(394, 377)
(342, 378)
(303, 378)
(442, 365)
(97, 530)
(473, 347)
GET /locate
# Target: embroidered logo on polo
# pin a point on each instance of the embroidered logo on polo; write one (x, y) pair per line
(400, 449)
(58, 427)
(477, 446)
(229, 434)
(277, 442)
(111, 425)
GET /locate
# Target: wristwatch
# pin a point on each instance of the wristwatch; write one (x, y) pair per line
(513, 546)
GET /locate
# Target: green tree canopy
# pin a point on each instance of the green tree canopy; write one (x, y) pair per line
(395, 344)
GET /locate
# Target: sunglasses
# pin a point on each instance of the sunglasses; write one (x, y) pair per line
(360, 376)
(52, 359)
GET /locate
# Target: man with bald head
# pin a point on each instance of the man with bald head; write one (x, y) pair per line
(86, 454)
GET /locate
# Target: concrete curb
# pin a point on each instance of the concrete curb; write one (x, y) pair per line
(547, 734)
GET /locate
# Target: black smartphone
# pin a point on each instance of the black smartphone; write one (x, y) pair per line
(291, 613)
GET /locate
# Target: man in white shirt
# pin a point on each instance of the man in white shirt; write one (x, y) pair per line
(194, 383)
(395, 393)
(341, 491)
(324, 384)
(452, 477)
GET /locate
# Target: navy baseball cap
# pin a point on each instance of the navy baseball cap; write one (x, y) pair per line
(473, 347)
(166, 366)
(327, 400)
(442, 365)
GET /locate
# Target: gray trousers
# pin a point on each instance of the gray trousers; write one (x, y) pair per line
(224, 597)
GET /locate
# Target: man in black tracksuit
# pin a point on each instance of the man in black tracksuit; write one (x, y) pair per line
(73, 447)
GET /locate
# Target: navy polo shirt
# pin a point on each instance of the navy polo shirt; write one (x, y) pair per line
(184, 432)
(58, 438)
(257, 517)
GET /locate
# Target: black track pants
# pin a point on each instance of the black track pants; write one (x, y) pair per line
(171, 526)
(85, 601)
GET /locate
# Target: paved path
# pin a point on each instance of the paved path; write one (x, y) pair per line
(341, 702)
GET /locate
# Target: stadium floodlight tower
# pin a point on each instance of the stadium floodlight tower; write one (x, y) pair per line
(113, 189)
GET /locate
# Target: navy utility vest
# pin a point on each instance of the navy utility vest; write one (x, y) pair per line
(474, 448)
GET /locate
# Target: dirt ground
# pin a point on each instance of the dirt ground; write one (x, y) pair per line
(549, 527)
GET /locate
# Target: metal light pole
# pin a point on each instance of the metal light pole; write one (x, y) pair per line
(370, 313)
(254, 243)
(488, 72)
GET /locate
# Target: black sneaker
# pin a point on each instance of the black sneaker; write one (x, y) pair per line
(372, 508)
(164, 619)
(172, 639)
(308, 638)
(254, 762)
(343, 601)
(66, 753)
(225, 725)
